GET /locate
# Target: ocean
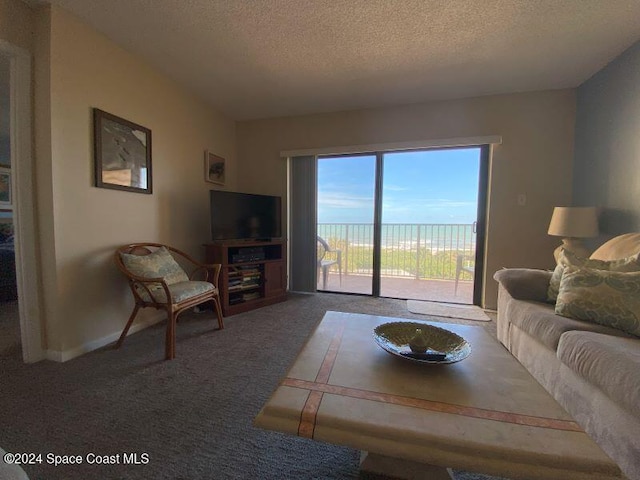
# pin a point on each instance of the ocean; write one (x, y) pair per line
(402, 236)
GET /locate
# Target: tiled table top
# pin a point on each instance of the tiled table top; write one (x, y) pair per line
(484, 414)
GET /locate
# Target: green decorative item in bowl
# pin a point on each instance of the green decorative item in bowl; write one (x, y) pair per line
(440, 345)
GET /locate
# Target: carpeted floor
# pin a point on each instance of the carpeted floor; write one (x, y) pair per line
(9, 327)
(447, 310)
(193, 415)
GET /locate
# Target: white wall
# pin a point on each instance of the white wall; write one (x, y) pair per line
(535, 158)
(16, 23)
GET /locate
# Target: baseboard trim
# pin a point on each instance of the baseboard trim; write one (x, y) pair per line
(66, 355)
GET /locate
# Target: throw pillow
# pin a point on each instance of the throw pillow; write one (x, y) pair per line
(605, 297)
(155, 265)
(570, 259)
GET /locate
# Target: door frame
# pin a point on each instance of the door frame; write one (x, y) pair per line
(481, 225)
(481, 215)
(22, 185)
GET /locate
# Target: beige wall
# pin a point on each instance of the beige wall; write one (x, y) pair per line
(86, 298)
(16, 23)
(535, 158)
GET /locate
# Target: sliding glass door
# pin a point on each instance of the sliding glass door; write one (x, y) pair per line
(429, 224)
(346, 193)
(402, 224)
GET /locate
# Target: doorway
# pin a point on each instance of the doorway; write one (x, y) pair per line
(21, 206)
(9, 315)
(405, 224)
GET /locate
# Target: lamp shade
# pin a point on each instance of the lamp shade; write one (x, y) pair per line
(574, 222)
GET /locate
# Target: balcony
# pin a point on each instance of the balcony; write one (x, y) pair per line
(418, 261)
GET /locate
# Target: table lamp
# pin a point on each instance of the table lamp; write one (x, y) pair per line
(573, 224)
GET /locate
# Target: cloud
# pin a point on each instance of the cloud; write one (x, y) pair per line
(417, 204)
(395, 188)
(342, 200)
(427, 210)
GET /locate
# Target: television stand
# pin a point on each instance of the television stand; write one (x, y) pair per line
(253, 274)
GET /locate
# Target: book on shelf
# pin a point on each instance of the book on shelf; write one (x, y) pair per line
(238, 281)
(250, 296)
(248, 267)
(250, 277)
(244, 273)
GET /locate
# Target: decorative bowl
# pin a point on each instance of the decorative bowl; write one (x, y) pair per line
(443, 346)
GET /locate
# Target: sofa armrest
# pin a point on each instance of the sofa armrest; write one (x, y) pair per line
(524, 283)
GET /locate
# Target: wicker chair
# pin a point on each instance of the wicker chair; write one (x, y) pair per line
(157, 280)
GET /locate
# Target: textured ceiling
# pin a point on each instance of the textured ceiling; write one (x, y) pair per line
(267, 58)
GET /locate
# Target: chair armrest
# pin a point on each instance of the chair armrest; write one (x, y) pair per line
(144, 283)
(338, 253)
(207, 267)
(198, 266)
(524, 283)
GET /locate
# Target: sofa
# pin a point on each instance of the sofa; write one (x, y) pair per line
(591, 369)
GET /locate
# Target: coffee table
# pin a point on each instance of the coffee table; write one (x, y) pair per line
(484, 414)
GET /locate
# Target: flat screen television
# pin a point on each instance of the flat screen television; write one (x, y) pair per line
(244, 216)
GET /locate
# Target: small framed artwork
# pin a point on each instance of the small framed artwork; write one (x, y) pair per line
(214, 168)
(6, 202)
(122, 153)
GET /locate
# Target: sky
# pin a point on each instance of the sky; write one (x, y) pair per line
(435, 186)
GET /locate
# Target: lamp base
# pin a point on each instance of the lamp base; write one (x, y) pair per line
(573, 245)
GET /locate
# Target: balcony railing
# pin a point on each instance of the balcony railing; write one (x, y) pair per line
(408, 250)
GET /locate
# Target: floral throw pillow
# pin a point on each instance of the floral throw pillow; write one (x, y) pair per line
(605, 297)
(155, 265)
(570, 259)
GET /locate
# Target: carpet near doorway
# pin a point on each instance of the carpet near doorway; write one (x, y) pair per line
(9, 327)
(448, 310)
(193, 415)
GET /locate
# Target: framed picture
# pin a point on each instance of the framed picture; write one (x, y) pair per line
(214, 168)
(122, 153)
(6, 202)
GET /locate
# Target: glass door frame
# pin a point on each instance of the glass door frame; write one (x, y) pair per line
(481, 223)
(481, 216)
(377, 225)
(377, 212)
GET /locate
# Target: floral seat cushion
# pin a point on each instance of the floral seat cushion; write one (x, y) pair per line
(179, 291)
